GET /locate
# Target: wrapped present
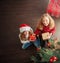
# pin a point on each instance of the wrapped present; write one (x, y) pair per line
(32, 37)
(45, 36)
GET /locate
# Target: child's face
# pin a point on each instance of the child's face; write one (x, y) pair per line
(26, 33)
(45, 21)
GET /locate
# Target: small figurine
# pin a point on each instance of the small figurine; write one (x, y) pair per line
(45, 29)
(27, 36)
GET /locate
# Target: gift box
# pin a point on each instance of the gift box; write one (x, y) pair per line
(32, 37)
(45, 36)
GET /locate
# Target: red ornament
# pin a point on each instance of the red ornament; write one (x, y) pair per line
(48, 44)
(32, 37)
(53, 59)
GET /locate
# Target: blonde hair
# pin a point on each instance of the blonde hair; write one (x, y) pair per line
(51, 21)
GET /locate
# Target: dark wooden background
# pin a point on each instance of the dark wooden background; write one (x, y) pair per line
(13, 13)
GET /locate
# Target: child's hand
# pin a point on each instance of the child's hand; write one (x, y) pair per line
(50, 34)
(32, 37)
(37, 35)
(49, 37)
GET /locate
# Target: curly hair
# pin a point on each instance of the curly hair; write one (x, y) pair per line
(51, 21)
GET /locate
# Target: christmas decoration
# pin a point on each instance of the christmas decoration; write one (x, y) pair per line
(24, 27)
(54, 8)
(32, 37)
(48, 44)
(53, 59)
(47, 55)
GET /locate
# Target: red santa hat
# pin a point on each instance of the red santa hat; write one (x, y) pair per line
(24, 27)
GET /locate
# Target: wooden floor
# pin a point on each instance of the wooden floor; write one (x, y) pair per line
(12, 14)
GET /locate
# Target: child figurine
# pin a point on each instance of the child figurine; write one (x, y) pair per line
(27, 36)
(45, 29)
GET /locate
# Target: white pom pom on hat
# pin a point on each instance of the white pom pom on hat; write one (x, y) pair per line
(24, 27)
